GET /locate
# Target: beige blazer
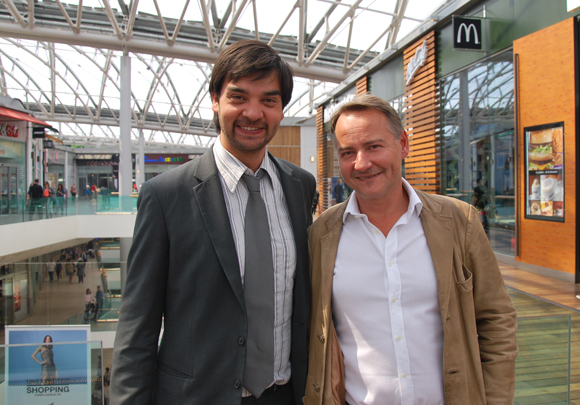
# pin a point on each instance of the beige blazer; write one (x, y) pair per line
(479, 320)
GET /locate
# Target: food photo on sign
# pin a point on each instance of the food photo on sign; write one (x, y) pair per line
(545, 172)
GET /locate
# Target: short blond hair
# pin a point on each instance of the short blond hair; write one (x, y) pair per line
(371, 102)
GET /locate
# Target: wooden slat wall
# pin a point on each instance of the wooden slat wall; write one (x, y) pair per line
(286, 144)
(362, 86)
(546, 95)
(321, 161)
(423, 165)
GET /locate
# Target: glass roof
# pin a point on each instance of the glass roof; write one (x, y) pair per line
(66, 69)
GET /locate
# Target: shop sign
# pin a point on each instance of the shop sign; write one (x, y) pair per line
(417, 61)
(9, 131)
(176, 159)
(466, 33)
(331, 108)
(38, 133)
(544, 154)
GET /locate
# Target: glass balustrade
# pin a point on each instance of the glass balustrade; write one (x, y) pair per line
(25, 210)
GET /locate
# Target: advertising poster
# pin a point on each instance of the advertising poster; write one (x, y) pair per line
(545, 172)
(41, 373)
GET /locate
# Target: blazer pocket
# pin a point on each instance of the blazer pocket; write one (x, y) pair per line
(466, 285)
(170, 384)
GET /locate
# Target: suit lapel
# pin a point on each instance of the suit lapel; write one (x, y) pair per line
(292, 188)
(210, 200)
(438, 230)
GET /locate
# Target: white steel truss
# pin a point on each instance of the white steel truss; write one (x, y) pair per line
(63, 60)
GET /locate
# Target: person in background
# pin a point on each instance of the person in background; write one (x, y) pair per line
(50, 196)
(69, 269)
(73, 190)
(60, 198)
(36, 194)
(339, 191)
(408, 303)
(58, 269)
(99, 296)
(88, 299)
(50, 267)
(107, 375)
(81, 271)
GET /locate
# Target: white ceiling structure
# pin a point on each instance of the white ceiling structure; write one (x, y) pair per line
(62, 60)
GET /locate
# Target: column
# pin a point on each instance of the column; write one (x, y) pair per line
(141, 178)
(125, 165)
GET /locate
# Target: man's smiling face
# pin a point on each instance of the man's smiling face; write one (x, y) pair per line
(369, 155)
(249, 111)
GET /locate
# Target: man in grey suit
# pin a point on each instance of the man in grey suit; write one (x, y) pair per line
(188, 264)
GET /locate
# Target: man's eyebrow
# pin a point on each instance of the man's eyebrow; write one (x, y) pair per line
(237, 89)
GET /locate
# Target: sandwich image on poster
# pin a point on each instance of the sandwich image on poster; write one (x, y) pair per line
(48, 365)
(540, 150)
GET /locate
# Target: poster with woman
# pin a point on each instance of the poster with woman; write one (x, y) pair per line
(545, 172)
(48, 364)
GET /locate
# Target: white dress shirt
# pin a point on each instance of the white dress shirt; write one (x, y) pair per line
(386, 310)
(282, 238)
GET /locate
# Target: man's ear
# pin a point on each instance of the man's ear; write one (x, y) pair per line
(215, 103)
(404, 141)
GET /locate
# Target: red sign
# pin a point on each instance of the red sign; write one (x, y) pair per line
(10, 131)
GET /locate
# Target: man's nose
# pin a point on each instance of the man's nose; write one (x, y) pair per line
(253, 111)
(362, 162)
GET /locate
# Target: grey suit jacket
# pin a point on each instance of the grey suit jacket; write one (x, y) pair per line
(183, 267)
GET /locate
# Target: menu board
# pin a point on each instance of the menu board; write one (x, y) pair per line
(544, 150)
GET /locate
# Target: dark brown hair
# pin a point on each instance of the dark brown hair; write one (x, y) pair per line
(249, 58)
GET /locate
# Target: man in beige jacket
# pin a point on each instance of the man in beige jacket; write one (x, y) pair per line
(408, 304)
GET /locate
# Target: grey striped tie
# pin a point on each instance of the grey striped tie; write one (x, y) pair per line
(258, 291)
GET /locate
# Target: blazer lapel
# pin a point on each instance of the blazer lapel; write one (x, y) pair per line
(329, 248)
(210, 200)
(438, 230)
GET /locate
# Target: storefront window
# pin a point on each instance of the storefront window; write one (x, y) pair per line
(477, 132)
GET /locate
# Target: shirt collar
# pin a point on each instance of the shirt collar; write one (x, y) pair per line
(415, 204)
(231, 169)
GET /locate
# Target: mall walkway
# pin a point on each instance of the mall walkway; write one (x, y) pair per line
(60, 301)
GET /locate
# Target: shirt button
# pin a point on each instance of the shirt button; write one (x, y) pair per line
(316, 388)
(241, 340)
(404, 376)
(321, 338)
(394, 300)
(376, 231)
(390, 264)
(398, 338)
(237, 384)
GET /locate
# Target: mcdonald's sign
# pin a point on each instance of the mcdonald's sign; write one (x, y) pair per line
(467, 33)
